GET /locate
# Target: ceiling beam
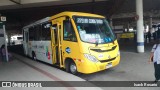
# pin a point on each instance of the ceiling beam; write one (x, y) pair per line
(154, 14)
(16, 1)
(116, 6)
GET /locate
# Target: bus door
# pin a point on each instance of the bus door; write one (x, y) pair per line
(25, 41)
(56, 41)
(55, 44)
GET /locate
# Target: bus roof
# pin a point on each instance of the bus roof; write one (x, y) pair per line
(70, 14)
(66, 13)
(38, 22)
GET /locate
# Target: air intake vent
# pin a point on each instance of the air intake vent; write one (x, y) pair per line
(99, 50)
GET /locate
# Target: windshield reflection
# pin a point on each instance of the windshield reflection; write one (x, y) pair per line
(94, 30)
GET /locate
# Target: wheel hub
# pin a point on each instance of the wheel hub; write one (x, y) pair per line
(73, 68)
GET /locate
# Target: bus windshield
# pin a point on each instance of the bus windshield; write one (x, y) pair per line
(94, 30)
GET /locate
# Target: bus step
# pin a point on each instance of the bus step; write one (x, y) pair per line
(57, 64)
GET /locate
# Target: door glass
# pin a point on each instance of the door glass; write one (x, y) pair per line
(68, 30)
(55, 42)
(55, 31)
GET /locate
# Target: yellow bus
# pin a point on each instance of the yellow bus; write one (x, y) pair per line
(75, 41)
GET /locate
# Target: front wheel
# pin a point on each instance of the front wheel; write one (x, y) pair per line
(73, 68)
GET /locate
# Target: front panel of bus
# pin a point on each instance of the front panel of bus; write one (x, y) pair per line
(99, 49)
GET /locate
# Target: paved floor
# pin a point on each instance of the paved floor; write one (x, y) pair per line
(133, 67)
(23, 69)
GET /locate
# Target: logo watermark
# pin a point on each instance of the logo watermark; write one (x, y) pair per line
(21, 84)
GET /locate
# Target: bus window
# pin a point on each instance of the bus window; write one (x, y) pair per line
(37, 29)
(69, 33)
(31, 34)
(94, 30)
(46, 33)
(55, 29)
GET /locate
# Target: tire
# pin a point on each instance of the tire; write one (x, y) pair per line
(73, 68)
(34, 56)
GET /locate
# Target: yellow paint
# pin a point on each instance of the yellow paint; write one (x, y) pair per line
(79, 48)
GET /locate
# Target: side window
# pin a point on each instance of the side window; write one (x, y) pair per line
(37, 29)
(46, 33)
(68, 31)
(31, 34)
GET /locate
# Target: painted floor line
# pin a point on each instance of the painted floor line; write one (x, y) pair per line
(69, 87)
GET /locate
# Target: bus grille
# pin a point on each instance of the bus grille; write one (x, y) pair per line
(108, 60)
(99, 50)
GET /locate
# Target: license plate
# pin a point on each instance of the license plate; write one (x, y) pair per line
(109, 65)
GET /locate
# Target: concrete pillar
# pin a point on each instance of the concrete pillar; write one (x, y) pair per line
(140, 28)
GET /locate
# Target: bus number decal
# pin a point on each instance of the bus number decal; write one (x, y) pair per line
(92, 21)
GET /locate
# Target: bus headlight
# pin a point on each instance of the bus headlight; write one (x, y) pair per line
(90, 57)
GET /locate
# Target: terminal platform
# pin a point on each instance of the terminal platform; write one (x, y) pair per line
(133, 67)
